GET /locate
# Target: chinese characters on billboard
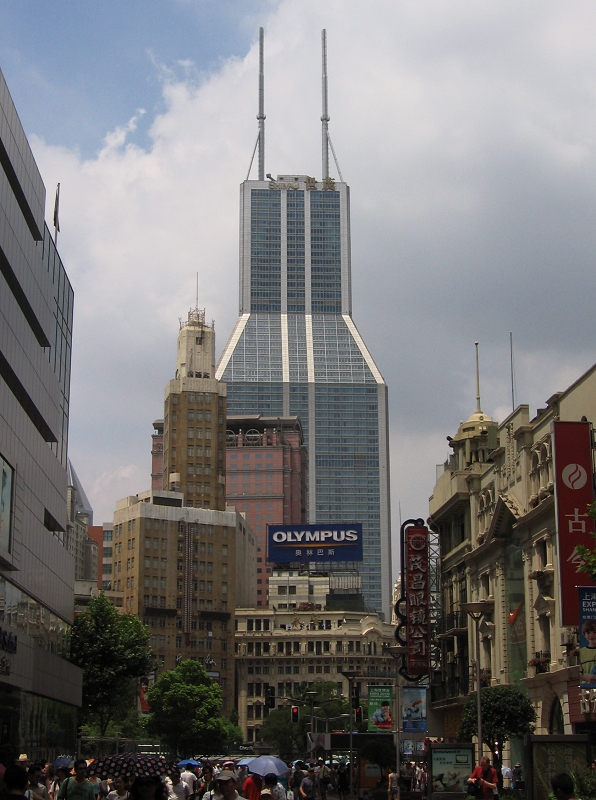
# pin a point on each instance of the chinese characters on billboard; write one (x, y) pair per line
(417, 601)
(380, 707)
(573, 494)
(287, 544)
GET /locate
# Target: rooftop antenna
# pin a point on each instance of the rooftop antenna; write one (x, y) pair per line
(325, 115)
(512, 370)
(478, 409)
(261, 114)
(327, 143)
(197, 303)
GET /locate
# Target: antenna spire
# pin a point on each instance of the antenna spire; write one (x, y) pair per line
(325, 115)
(478, 409)
(261, 114)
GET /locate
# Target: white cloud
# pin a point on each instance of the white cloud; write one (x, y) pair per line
(466, 132)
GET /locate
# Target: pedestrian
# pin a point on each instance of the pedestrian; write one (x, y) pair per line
(324, 777)
(562, 785)
(343, 781)
(252, 787)
(190, 779)
(205, 781)
(15, 781)
(228, 782)
(517, 777)
(298, 776)
(35, 785)
(59, 778)
(485, 777)
(77, 788)
(309, 788)
(119, 791)
(392, 785)
(148, 787)
(276, 790)
(177, 788)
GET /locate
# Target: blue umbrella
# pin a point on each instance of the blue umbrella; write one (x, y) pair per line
(189, 762)
(244, 761)
(63, 761)
(263, 765)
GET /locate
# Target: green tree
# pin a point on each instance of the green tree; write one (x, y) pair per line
(381, 751)
(112, 650)
(185, 706)
(279, 730)
(506, 713)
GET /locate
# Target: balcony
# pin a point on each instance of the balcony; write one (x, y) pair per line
(540, 662)
(453, 687)
(453, 623)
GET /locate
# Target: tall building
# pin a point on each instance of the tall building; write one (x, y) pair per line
(39, 689)
(195, 419)
(183, 571)
(80, 545)
(157, 455)
(295, 350)
(266, 473)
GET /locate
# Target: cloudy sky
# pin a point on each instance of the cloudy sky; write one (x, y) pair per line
(466, 131)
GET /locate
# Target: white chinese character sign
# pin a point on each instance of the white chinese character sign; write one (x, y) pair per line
(417, 601)
(573, 494)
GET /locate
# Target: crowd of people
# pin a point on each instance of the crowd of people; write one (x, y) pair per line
(76, 781)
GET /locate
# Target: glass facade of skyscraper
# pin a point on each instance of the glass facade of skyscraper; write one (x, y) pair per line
(296, 351)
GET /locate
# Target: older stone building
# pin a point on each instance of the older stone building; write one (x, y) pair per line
(494, 507)
(284, 649)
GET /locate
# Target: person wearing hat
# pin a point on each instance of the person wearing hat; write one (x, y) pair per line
(228, 781)
(309, 788)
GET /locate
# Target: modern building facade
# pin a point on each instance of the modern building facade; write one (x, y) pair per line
(39, 689)
(266, 474)
(295, 351)
(79, 517)
(495, 509)
(183, 570)
(287, 649)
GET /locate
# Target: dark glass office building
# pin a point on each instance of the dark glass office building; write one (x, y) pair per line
(295, 350)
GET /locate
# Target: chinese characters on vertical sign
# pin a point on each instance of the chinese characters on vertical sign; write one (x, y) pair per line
(417, 601)
(573, 494)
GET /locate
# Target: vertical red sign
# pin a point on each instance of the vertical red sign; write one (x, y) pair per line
(417, 601)
(574, 492)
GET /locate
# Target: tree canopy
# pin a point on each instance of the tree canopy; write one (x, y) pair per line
(279, 730)
(506, 713)
(185, 706)
(381, 751)
(112, 650)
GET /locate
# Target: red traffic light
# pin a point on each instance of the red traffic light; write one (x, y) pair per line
(358, 714)
(295, 713)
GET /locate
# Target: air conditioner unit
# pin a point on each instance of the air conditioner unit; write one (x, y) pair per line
(451, 658)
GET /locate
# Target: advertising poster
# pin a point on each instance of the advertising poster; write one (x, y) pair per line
(587, 636)
(413, 709)
(573, 494)
(550, 758)
(6, 476)
(380, 705)
(451, 767)
(288, 544)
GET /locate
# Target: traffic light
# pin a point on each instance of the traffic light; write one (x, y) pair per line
(271, 697)
(295, 713)
(358, 714)
(355, 697)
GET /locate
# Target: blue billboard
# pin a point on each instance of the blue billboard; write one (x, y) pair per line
(287, 544)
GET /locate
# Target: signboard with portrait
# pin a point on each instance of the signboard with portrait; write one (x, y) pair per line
(6, 485)
(380, 705)
(413, 709)
(450, 767)
(287, 544)
(573, 494)
(417, 601)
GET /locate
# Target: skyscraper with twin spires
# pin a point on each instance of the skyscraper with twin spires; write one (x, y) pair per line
(295, 349)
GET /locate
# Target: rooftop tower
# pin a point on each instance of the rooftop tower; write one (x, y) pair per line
(295, 350)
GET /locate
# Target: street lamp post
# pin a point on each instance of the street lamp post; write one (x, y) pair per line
(311, 696)
(476, 611)
(350, 675)
(396, 651)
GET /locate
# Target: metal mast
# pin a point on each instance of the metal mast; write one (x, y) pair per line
(261, 114)
(478, 409)
(325, 115)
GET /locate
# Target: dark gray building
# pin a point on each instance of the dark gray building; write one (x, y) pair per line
(39, 689)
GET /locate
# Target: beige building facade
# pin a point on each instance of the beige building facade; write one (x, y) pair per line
(494, 507)
(285, 649)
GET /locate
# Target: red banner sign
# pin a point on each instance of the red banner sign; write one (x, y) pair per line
(417, 601)
(573, 494)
